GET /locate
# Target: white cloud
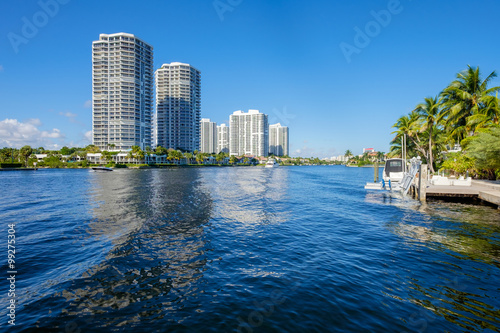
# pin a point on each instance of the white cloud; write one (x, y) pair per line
(71, 116)
(87, 104)
(88, 136)
(68, 114)
(14, 133)
(1, 68)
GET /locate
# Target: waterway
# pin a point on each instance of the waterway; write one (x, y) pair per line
(242, 249)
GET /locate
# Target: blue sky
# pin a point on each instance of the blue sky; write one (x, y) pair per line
(286, 58)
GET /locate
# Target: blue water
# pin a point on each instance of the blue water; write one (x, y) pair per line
(292, 249)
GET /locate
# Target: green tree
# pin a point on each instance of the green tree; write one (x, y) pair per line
(430, 113)
(160, 151)
(189, 157)
(458, 162)
(485, 148)
(82, 154)
(137, 153)
(233, 159)
(65, 151)
(220, 157)
(25, 152)
(466, 98)
(409, 126)
(92, 149)
(107, 156)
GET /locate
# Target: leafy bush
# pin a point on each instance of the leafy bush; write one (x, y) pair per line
(485, 148)
(459, 162)
(53, 162)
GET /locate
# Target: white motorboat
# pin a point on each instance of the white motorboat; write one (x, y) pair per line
(394, 171)
(396, 176)
(271, 163)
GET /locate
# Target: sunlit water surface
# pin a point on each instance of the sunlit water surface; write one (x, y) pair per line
(291, 249)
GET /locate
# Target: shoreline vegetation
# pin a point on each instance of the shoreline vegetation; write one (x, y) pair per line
(91, 156)
(457, 131)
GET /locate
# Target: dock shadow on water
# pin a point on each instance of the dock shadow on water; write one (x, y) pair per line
(296, 249)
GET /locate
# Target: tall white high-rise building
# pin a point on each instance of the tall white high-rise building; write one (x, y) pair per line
(122, 92)
(178, 106)
(278, 140)
(222, 138)
(208, 140)
(248, 133)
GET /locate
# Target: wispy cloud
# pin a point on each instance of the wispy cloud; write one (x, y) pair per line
(87, 104)
(88, 135)
(71, 117)
(1, 68)
(14, 133)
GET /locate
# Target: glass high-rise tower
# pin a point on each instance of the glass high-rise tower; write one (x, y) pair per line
(248, 133)
(178, 106)
(122, 92)
(278, 140)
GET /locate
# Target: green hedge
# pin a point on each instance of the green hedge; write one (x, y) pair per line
(11, 165)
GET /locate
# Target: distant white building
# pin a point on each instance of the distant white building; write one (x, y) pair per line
(278, 140)
(368, 150)
(340, 158)
(248, 133)
(222, 138)
(208, 139)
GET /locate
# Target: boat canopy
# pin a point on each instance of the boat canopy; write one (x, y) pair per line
(393, 165)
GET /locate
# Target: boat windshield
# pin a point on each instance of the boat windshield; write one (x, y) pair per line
(393, 166)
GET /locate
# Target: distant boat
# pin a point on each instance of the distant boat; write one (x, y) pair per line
(271, 163)
(101, 168)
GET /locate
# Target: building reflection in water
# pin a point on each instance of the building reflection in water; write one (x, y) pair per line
(250, 196)
(150, 225)
(153, 246)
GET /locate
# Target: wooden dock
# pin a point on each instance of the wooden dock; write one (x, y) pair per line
(484, 190)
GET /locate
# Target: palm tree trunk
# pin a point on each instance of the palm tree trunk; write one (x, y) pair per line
(430, 152)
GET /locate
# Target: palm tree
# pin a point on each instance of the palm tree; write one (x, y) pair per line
(188, 157)
(233, 159)
(92, 149)
(107, 156)
(220, 157)
(25, 152)
(488, 117)
(199, 157)
(130, 155)
(465, 97)
(430, 113)
(408, 125)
